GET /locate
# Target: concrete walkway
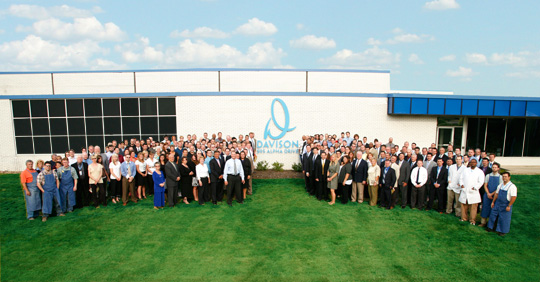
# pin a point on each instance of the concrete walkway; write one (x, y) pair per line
(527, 170)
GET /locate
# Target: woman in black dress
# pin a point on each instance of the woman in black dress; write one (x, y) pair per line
(186, 176)
(192, 163)
(246, 165)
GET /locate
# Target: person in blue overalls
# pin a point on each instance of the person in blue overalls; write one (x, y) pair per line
(47, 182)
(68, 185)
(490, 186)
(31, 191)
(501, 212)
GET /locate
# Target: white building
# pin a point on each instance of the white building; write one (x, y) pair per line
(46, 112)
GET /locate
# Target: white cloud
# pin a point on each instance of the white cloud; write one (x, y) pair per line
(200, 32)
(441, 5)
(373, 41)
(313, 42)
(255, 26)
(409, 38)
(35, 53)
(463, 72)
(448, 58)
(475, 58)
(415, 59)
(300, 26)
(524, 74)
(81, 28)
(373, 57)
(199, 53)
(102, 64)
(40, 13)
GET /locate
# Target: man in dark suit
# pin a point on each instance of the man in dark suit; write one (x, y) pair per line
(306, 166)
(321, 177)
(441, 155)
(216, 177)
(439, 181)
(312, 170)
(172, 178)
(82, 195)
(403, 180)
(359, 177)
(387, 182)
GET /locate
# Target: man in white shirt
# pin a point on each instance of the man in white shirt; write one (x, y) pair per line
(419, 178)
(72, 159)
(454, 173)
(233, 174)
(471, 181)
(504, 199)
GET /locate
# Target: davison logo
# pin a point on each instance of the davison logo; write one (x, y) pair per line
(275, 145)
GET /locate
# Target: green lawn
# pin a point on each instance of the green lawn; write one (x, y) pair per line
(280, 234)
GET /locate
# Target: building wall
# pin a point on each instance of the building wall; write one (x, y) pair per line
(235, 115)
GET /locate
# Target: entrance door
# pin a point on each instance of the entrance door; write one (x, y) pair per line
(447, 135)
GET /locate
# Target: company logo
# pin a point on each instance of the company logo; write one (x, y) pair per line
(285, 128)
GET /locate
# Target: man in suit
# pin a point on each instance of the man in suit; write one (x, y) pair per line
(128, 171)
(216, 177)
(439, 181)
(394, 165)
(359, 177)
(419, 178)
(321, 179)
(82, 195)
(306, 164)
(312, 170)
(171, 180)
(403, 179)
(233, 175)
(387, 182)
(441, 155)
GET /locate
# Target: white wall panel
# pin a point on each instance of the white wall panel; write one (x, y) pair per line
(349, 82)
(263, 81)
(323, 115)
(93, 83)
(26, 84)
(177, 81)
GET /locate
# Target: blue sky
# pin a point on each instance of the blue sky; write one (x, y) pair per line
(469, 47)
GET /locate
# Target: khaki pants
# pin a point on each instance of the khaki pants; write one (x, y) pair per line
(373, 190)
(125, 186)
(453, 199)
(464, 212)
(357, 192)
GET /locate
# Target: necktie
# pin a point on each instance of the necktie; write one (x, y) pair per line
(357, 163)
(218, 163)
(418, 176)
(323, 165)
(235, 172)
(129, 169)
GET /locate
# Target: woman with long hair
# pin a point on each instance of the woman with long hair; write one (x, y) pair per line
(185, 179)
(344, 179)
(203, 179)
(140, 176)
(159, 186)
(332, 177)
(95, 173)
(116, 178)
(194, 183)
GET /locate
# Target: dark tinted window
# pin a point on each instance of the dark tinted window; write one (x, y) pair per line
(167, 125)
(22, 127)
(20, 108)
(24, 145)
(112, 125)
(42, 145)
(110, 138)
(76, 126)
(532, 138)
(40, 126)
(149, 125)
(94, 126)
(148, 106)
(74, 108)
(130, 107)
(96, 141)
(513, 147)
(60, 145)
(57, 108)
(167, 106)
(92, 107)
(58, 126)
(77, 143)
(476, 133)
(39, 108)
(130, 125)
(111, 107)
(495, 133)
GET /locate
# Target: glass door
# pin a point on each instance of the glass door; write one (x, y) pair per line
(445, 136)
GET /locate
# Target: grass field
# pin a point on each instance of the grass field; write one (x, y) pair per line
(280, 234)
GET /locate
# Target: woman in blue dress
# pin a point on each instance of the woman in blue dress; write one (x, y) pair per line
(159, 187)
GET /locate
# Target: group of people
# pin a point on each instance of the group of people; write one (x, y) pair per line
(344, 167)
(174, 170)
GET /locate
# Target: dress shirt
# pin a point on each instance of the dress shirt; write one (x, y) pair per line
(422, 177)
(202, 171)
(124, 169)
(229, 168)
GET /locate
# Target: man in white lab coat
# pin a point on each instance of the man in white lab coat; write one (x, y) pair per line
(471, 181)
(454, 173)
